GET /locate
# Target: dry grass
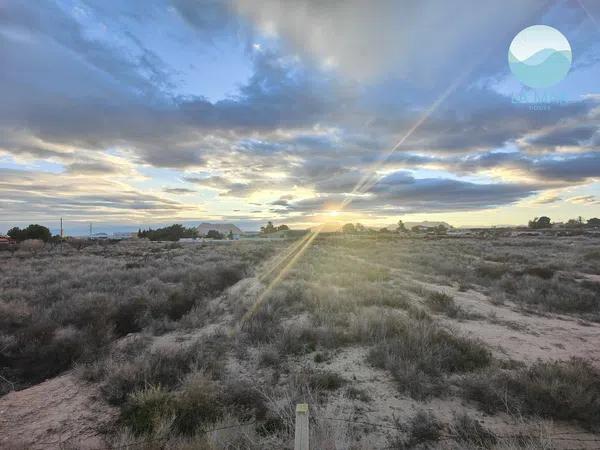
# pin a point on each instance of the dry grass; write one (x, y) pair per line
(101, 309)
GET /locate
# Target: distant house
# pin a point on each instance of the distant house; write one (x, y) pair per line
(422, 228)
(5, 241)
(223, 228)
(99, 237)
(124, 235)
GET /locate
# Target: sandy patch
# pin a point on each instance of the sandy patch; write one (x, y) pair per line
(63, 409)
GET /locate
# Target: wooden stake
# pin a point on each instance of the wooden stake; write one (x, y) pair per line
(301, 435)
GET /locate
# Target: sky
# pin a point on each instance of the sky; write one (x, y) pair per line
(148, 112)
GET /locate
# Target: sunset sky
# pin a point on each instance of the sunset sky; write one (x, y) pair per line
(136, 113)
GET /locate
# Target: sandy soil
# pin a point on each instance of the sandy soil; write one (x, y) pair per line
(515, 334)
(61, 411)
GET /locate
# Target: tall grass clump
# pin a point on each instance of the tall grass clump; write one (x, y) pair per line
(563, 390)
(423, 354)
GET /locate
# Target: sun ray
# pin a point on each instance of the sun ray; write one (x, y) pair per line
(281, 275)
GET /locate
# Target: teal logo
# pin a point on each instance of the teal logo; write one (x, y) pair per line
(540, 56)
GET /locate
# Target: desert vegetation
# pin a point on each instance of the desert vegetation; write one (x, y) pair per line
(393, 341)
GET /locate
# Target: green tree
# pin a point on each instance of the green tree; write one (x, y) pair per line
(33, 231)
(575, 223)
(214, 234)
(593, 222)
(283, 228)
(360, 228)
(170, 233)
(17, 234)
(230, 235)
(269, 228)
(540, 222)
(401, 227)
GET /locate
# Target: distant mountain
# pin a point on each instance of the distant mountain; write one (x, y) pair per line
(223, 228)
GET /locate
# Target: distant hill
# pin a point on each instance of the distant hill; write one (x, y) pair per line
(223, 228)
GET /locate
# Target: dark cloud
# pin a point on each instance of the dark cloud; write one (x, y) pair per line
(93, 168)
(562, 168)
(33, 194)
(564, 136)
(401, 192)
(178, 191)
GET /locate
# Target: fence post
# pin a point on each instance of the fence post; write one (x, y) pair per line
(301, 434)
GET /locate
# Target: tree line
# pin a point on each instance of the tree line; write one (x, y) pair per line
(545, 222)
(358, 228)
(33, 231)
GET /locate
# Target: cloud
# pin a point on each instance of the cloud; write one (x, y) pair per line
(29, 195)
(93, 168)
(412, 39)
(178, 191)
(584, 200)
(332, 89)
(400, 192)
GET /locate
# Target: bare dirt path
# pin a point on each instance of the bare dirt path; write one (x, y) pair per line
(512, 332)
(61, 411)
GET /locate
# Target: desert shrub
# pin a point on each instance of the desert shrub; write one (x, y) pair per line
(377, 325)
(32, 245)
(568, 390)
(89, 292)
(297, 340)
(417, 313)
(42, 348)
(557, 295)
(466, 430)
(423, 354)
(491, 271)
(423, 429)
(261, 325)
(321, 357)
(377, 294)
(128, 316)
(162, 367)
(222, 276)
(245, 399)
(593, 255)
(442, 303)
(541, 272)
(269, 358)
(356, 393)
(187, 411)
(145, 409)
(329, 381)
(199, 403)
(179, 303)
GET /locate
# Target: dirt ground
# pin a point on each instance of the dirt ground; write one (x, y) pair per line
(63, 411)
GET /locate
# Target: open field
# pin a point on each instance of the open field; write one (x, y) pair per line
(394, 343)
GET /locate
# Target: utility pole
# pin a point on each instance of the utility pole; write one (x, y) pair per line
(61, 235)
(90, 230)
